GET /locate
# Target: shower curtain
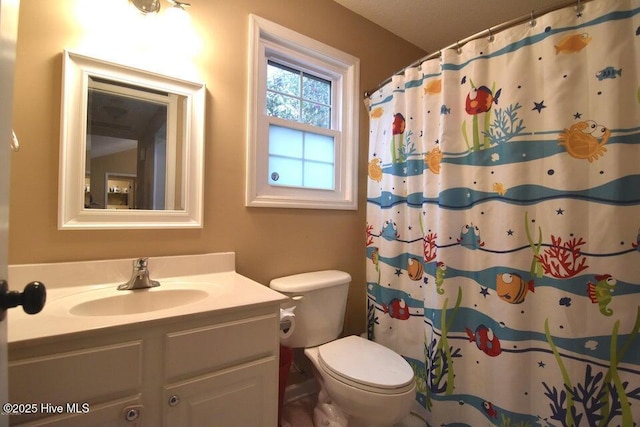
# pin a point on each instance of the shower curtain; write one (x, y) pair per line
(503, 223)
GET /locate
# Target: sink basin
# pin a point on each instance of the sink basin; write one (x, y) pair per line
(139, 301)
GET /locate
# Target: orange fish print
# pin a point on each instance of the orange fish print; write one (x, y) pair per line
(415, 269)
(572, 43)
(433, 87)
(512, 288)
(374, 169)
(377, 112)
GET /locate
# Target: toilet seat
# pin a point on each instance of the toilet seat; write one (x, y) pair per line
(366, 365)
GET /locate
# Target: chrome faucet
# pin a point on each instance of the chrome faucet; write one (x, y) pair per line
(140, 278)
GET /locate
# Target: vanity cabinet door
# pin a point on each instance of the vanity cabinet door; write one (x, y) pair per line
(92, 385)
(121, 413)
(240, 396)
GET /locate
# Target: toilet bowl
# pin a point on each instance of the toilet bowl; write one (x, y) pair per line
(368, 383)
(362, 383)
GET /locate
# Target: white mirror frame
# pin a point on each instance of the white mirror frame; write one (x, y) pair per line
(73, 140)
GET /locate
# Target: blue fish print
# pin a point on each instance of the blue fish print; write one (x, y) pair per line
(389, 231)
(566, 301)
(470, 237)
(609, 73)
(445, 110)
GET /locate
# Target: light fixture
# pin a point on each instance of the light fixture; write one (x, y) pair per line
(146, 6)
(179, 4)
(153, 6)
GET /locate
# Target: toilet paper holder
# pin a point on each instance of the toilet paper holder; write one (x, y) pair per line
(287, 322)
(285, 325)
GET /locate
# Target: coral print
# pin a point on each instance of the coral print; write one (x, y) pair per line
(503, 234)
(563, 260)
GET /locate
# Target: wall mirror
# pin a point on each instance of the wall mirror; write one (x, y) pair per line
(131, 149)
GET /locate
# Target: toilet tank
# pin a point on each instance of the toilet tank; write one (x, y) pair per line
(320, 298)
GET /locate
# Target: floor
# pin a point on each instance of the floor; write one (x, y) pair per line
(298, 413)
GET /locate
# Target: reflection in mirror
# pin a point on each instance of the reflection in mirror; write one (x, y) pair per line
(131, 151)
(133, 132)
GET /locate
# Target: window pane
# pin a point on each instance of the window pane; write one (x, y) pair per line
(283, 106)
(283, 79)
(316, 89)
(285, 171)
(318, 175)
(318, 147)
(316, 114)
(285, 142)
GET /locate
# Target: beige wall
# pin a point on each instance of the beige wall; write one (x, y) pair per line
(268, 242)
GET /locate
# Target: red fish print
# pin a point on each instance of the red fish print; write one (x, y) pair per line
(480, 100)
(399, 124)
(397, 309)
(485, 340)
(488, 407)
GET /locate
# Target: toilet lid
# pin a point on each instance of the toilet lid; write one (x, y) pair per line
(366, 362)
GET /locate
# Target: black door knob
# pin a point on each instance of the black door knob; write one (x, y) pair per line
(32, 299)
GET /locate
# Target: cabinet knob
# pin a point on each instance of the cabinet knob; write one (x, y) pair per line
(132, 413)
(32, 299)
(174, 400)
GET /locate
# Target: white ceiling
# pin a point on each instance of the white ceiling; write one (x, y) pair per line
(436, 24)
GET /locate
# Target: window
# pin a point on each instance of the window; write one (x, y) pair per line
(302, 121)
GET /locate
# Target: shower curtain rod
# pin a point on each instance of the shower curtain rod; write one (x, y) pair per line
(489, 33)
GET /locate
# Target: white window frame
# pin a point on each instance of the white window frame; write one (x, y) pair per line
(268, 40)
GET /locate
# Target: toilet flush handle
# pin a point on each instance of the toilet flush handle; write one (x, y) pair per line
(297, 297)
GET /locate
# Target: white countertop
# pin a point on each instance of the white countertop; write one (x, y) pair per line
(212, 273)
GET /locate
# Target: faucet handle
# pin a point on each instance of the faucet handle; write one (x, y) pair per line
(140, 263)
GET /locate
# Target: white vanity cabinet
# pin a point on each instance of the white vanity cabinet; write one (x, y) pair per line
(210, 369)
(223, 374)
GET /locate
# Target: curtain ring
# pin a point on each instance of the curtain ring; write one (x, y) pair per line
(458, 48)
(491, 37)
(579, 9)
(532, 21)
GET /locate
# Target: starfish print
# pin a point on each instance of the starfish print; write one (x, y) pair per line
(539, 106)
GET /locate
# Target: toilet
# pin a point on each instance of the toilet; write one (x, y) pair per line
(362, 383)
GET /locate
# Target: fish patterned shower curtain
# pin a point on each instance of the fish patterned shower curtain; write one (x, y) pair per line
(503, 223)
